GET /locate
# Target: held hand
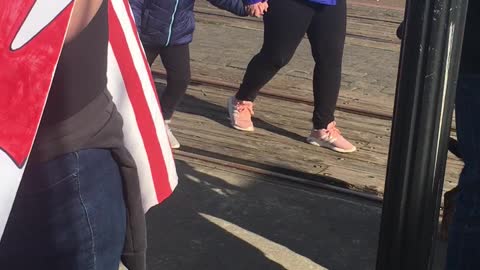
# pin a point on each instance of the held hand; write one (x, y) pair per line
(257, 10)
(265, 7)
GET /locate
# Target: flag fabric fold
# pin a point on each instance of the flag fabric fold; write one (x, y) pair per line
(29, 54)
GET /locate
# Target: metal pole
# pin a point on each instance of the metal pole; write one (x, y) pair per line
(424, 102)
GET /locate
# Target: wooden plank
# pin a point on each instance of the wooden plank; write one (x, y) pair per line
(368, 75)
(361, 20)
(376, 13)
(368, 83)
(279, 139)
(379, 35)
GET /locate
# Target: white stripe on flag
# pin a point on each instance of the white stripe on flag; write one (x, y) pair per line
(11, 176)
(144, 75)
(133, 138)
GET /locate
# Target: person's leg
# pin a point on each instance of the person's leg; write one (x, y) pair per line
(285, 25)
(327, 38)
(464, 236)
(151, 54)
(176, 60)
(69, 214)
(282, 35)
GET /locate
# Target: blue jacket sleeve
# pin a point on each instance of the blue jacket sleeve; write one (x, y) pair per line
(234, 6)
(251, 2)
(137, 6)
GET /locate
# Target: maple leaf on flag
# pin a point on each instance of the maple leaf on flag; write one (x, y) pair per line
(30, 41)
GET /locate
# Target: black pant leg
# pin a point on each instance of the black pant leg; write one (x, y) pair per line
(285, 25)
(176, 60)
(327, 38)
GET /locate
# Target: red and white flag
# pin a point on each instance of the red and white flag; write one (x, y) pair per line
(31, 39)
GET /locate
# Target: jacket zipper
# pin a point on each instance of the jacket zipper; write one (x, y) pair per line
(171, 23)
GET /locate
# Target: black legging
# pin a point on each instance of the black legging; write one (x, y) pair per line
(286, 23)
(176, 60)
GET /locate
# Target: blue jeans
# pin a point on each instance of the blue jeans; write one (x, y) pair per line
(69, 214)
(464, 235)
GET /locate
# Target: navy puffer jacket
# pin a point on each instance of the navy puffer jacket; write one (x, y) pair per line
(172, 22)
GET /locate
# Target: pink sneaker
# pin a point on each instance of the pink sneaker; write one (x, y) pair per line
(240, 114)
(331, 138)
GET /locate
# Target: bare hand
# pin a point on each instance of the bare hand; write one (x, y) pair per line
(258, 9)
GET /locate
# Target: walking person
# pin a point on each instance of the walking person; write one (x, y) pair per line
(464, 231)
(166, 29)
(81, 201)
(324, 22)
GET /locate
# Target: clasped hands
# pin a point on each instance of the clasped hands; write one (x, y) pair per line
(258, 9)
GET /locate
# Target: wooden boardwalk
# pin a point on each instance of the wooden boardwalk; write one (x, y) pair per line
(222, 48)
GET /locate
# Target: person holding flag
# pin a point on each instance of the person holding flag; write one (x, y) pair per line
(98, 157)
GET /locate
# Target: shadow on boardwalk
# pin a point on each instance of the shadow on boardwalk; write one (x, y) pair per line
(212, 222)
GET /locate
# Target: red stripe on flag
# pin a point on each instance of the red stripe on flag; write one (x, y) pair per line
(140, 106)
(140, 45)
(134, 29)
